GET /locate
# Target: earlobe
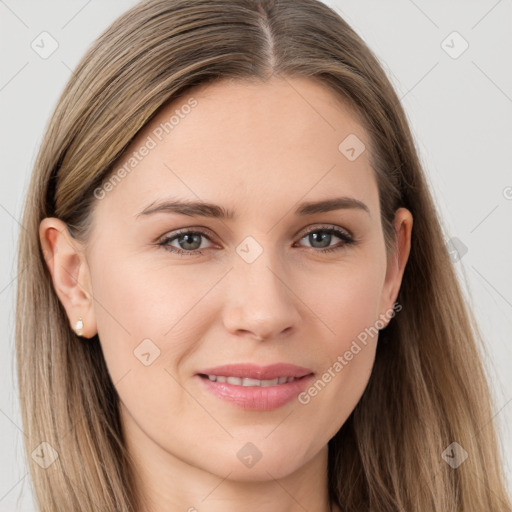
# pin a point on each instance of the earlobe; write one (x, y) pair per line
(70, 274)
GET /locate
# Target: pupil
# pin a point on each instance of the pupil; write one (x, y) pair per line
(324, 237)
(197, 237)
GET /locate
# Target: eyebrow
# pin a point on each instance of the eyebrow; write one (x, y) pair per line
(202, 209)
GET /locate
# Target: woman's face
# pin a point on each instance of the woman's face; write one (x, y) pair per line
(254, 285)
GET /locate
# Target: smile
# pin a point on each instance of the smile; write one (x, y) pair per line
(248, 382)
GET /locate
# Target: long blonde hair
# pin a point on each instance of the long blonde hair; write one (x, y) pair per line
(428, 387)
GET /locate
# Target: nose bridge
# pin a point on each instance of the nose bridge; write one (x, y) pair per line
(260, 301)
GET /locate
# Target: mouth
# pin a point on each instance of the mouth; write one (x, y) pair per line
(248, 382)
(256, 388)
(255, 372)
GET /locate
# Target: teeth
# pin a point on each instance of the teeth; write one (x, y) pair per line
(246, 381)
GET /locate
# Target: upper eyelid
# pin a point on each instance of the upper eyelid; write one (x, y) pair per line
(320, 227)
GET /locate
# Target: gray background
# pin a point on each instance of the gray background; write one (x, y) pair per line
(459, 109)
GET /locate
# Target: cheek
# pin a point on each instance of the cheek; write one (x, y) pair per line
(123, 306)
(348, 306)
(149, 320)
(346, 298)
(142, 325)
(137, 302)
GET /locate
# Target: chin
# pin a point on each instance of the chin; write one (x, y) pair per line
(260, 472)
(254, 462)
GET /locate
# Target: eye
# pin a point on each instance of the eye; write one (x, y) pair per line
(320, 238)
(189, 242)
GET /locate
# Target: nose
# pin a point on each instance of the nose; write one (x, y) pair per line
(261, 303)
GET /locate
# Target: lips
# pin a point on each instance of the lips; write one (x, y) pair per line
(247, 382)
(252, 371)
(256, 388)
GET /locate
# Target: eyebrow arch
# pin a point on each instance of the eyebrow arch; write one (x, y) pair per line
(202, 209)
(338, 203)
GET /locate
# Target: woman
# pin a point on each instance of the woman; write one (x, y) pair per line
(182, 342)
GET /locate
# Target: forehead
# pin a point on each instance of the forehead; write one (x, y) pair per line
(249, 143)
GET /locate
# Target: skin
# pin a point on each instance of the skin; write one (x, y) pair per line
(259, 149)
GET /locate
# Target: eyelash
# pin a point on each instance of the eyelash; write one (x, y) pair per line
(347, 240)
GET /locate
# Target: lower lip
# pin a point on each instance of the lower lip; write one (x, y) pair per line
(256, 398)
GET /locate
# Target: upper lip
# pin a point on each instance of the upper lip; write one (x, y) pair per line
(253, 371)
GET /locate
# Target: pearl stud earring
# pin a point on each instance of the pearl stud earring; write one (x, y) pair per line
(79, 326)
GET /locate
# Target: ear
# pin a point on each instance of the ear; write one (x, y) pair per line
(70, 273)
(397, 260)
